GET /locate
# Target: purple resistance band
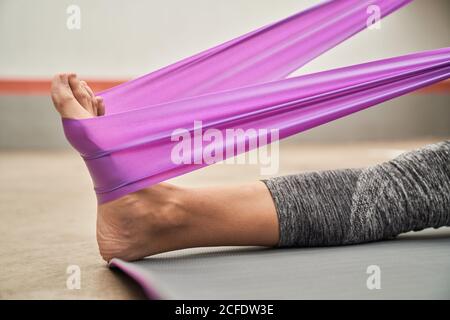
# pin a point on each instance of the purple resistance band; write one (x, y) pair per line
(241, 85)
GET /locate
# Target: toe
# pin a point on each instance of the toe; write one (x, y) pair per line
(100, 106)
(80, 93)
(93, 102)
(60, 90)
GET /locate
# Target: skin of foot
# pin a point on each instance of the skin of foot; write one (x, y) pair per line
(165, 217)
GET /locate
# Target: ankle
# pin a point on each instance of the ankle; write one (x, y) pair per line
(167, 207)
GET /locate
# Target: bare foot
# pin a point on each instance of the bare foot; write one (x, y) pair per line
(138, 224)
(165, 217)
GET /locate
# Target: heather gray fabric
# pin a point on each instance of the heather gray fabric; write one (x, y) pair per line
(336, 207)
(413, 266)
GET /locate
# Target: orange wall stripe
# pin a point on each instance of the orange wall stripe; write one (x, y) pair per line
(42, 86)
(440, 87)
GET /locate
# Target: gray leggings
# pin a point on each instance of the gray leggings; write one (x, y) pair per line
(408, 193)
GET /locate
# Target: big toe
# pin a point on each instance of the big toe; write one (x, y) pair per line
(60, 91)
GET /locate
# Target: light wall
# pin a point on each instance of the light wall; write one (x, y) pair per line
(124, 39)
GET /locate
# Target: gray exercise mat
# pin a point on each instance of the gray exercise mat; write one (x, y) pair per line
(413, 266)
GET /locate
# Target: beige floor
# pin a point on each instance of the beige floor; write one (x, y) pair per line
(47, 214)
